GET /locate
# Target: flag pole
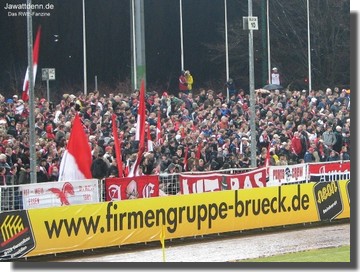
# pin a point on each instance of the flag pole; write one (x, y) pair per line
(31, 95)
(162, 241)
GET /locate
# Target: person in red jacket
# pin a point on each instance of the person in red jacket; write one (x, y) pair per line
(296, 144)
(183, 86)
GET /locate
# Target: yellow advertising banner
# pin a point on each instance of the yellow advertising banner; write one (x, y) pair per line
(81, 227)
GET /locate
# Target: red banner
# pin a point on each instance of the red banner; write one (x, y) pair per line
(131, 188)
(192, 184)
(332, 171)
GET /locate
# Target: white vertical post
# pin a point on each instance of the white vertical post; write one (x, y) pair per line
(48, 90)
(84, 47)
(181, 37)
(33, 176)
(134, 42)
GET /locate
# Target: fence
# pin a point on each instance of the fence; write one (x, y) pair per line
(12, 196)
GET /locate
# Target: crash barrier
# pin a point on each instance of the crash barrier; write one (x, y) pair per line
(33, 232)
(52, 194)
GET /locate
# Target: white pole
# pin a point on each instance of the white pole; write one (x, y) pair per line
(268, 41)
(84, 46)
(309, 49)
(226, 50)
(134, 42)
(181, 37)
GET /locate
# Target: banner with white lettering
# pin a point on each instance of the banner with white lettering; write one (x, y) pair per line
(331, 171)
(131, 188)
(60, 193)
(192, 184)
(279, 175)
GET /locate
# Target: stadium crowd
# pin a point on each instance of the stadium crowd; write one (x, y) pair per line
(292, 127)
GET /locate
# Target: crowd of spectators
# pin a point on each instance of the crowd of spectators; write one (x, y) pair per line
(292, 126)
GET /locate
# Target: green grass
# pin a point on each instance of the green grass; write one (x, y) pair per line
(334, 254)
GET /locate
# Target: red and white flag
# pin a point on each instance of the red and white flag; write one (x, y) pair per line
(267, 160)
(140, 132)
(76, 161)
(25, 94)
(140, 122)
(117, 146)
(150, 143)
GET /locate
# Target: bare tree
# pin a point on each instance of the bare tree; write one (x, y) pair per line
(329, 36)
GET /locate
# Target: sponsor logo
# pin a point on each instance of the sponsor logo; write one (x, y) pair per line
(63, 193)
(148, 190)
(16, 236)
(328, 200)
(114, 192)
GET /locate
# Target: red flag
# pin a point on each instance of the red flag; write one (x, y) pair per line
(117, 146)
(140, 124)
(159, 139)
(140, 131)
(76, 161)
(25, 93)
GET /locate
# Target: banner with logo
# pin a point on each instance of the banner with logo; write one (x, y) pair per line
(286, 174)
(60, 193)
(81, 227)
(331, 171)
(130, 188)
(192, 184)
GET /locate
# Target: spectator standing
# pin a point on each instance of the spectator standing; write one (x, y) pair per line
(183, 86)
(230, 85)
(329, 137)
(339, 139)
(275, 76)
(189, 80)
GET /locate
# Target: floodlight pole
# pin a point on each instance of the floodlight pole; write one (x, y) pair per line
(226, 51)
(252, 92)
(33, 162)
